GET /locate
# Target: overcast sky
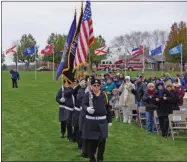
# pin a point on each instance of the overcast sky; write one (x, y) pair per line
(110, 19)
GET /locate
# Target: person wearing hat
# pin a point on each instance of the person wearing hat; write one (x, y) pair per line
(98, 118)
(149, 99)
(65, 98)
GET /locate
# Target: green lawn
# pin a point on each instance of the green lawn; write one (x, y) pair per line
(30, 128)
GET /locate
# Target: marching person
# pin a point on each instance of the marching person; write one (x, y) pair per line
(65, 98)
(15, 77)
(98, 118)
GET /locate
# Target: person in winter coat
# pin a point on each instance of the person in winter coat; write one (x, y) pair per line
(149, 100)
(185, 77)
(140, 89)
(116, 81)
(15, 77)
(165, 107)
(126, 99)
(180, 91)
(65, 98)
(181, 80)
(98, 118)
(152, 79)
(121, 77)
(108, 88)
(115, 103)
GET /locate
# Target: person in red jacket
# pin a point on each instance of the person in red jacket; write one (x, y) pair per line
(179, 90)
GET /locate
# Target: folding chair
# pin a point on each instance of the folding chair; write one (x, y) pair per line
(183, 107)
(131, 109)
(142, 117)
(177, 123)
(156, 122)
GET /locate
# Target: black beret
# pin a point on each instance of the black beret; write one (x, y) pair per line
(95, 81)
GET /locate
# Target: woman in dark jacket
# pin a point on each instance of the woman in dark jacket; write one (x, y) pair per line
(165, 107)
(149, 99)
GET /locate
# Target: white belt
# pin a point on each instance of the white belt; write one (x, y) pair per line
(76, 108)
(67, 108)
(95, 117)
(80, 108)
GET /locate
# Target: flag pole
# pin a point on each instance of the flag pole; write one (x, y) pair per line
(17, 59)
(53, 64)
(143, 61)
(35, 62)
(181, 60)
(125, 65)
(162, 63)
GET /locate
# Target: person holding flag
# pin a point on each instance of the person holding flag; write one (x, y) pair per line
(15, 77)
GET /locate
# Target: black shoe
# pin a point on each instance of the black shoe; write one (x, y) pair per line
(62, 135)
(99, 160)
(84, 155)
(70, 140)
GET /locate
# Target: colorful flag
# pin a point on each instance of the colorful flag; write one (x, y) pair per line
(67, 46)
(48, 50)
(68, 70)
(11, 50)
(29, 51)
(137, 51)
(101, 51)
(176, 50)
(62, 51)
(156, 51)
(86, 37)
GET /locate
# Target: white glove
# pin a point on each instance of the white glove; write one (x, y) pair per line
(90, 110)
(87, 90)
(62, 100)
(109, 124)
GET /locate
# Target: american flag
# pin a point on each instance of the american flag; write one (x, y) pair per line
(86, 37)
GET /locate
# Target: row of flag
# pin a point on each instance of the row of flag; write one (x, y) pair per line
(32, 50)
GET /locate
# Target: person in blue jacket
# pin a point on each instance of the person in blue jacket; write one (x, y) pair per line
(15, 77)
(116, 81)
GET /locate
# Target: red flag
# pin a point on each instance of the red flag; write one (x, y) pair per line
(11, 50)
(48, 50)
(101, 51)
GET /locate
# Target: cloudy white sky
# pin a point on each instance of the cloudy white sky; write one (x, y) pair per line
(110, 19)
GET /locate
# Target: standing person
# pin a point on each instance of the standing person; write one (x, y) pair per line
(115, 103)
(126, 98)
(98, 118)
(116, 81)
(121, 77)
(166, 102)
(185, 78)
(149, 99)
(152, 79)
(179, 90)
(15, 77)
(65, 98)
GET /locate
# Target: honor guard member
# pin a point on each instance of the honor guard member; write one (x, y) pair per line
(82, 116)
(65, 98)
(75, 114)
(98, 118)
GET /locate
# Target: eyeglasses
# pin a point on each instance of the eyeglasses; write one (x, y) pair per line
(96, 85)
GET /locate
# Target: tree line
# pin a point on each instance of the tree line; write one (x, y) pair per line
(150, 40)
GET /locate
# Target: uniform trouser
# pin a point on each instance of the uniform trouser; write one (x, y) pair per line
(164, 125)
(92, 147)
(63, 127)
(77, 134)
(14, 83)
(84, 146)
(70, 130)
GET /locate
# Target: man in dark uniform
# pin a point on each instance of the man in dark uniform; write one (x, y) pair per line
(15, 77)
(65, 98)
(98, 118)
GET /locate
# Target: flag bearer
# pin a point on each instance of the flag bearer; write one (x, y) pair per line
(98, 118)
(65, 98)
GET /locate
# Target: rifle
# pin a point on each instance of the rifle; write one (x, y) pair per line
(90, 94)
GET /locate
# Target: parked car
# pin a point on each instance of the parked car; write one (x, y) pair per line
(43, 68)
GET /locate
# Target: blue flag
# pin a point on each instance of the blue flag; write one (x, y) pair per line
(156, 51)
(29, 51)
(67, 46)
(175, 50)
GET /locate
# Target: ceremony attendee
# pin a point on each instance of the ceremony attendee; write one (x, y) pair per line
(65, 98)
(15, 77)
(126, 98)
(98, 118)
(116, 81)
(149, 100)
(115, 103)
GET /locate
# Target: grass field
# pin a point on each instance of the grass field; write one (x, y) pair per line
(30, 128)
